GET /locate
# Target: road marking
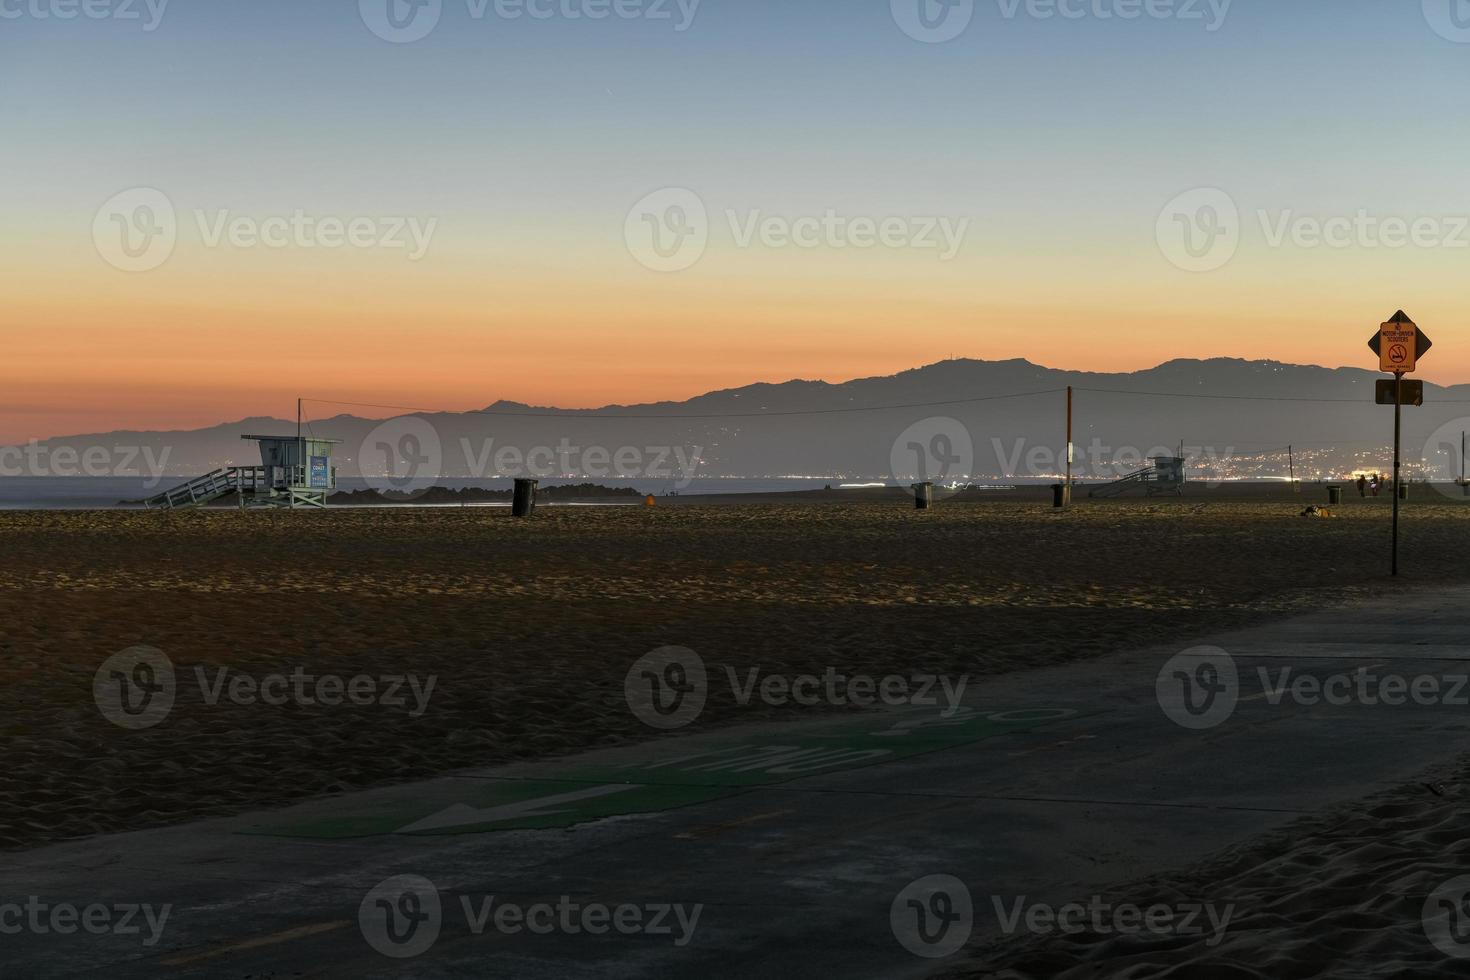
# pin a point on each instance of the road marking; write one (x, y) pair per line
(463, 815)
(710, 830)
(1257, 697)
(300, 932)
(654, 778)
(1053, 745)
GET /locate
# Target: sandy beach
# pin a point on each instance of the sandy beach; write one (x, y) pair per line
(1341, 893)
(528, 628)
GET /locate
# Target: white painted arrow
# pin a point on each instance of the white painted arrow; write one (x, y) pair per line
(464, 815)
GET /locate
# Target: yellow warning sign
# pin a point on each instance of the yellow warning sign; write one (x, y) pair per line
(1398, 347)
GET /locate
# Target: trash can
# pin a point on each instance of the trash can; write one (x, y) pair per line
(525, 498)
(923, 496)
(1334, 495)
(1403, 490)
(1061, 495)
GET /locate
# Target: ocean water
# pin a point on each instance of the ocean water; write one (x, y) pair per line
(94, 492)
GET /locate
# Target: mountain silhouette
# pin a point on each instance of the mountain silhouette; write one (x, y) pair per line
(1008, 409)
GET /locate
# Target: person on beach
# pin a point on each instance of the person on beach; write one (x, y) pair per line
(1362, 485)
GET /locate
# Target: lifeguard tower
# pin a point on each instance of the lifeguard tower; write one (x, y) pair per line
(297, 472)
(294, 471)
(1164, 475)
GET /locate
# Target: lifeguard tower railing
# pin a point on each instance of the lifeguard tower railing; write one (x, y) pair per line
(294, 472)
(250, 482)
(209, 487)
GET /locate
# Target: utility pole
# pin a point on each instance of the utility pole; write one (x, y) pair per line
(1291, 466)
(298, 420)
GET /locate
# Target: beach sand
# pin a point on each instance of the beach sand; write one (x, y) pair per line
(1341, 893)
(529, 627)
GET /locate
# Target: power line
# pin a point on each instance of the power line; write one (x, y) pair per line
(1243, 398)
(726, 415)
(1251, 398)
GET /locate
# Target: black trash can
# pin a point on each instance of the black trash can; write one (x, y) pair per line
(1403, 490)
(923, 496)
(1334, 495)
(1061, 495)
(525, 498)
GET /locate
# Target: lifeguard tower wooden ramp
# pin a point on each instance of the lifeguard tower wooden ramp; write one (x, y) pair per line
(295, 471)
(1163, 475)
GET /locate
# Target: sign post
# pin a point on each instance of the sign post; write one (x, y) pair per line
(1399, 344)
(1068, 491)
(1398, 419)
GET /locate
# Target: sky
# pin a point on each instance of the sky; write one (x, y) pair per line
(214, 208)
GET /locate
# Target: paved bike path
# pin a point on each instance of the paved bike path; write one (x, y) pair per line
(792, 840)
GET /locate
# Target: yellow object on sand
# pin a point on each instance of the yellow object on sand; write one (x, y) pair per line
(648, 501)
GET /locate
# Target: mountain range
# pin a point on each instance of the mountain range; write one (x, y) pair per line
(1235, 418)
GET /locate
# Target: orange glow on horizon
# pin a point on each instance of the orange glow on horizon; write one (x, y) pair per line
(210, 338)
